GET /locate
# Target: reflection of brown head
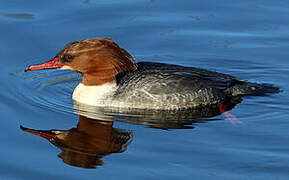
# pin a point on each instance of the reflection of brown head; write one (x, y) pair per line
(85, 145)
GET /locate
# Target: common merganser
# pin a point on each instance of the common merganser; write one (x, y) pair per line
(112, 78)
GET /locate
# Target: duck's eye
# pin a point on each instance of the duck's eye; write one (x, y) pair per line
(69, 57)
(66, 58)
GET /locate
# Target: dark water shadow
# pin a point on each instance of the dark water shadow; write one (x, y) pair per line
(17, 15)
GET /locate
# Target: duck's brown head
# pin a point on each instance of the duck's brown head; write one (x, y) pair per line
(99, 60)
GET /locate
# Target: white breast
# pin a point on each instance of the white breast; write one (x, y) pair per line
(99, 95)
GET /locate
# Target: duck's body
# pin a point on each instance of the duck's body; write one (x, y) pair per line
(111, 78)
(166, 86)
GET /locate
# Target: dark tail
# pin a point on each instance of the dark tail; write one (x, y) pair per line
(252, 89)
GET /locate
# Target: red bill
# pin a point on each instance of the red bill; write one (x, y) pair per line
(53, 64)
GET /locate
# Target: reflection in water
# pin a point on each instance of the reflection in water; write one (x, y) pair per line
(94, 137)
(85, 145)
(18, 15)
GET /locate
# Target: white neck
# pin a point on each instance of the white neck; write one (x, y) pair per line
(98, 95)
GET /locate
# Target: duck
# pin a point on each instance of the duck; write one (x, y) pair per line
(111, 77)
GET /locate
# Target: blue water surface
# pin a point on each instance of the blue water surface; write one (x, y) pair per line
(247, 39)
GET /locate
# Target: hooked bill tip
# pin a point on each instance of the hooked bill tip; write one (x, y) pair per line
(22, 128)
(27, 69)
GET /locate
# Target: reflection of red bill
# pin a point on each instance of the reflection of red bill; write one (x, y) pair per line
(45, 134)
(228, 115)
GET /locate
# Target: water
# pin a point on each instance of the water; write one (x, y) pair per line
(248, 39)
